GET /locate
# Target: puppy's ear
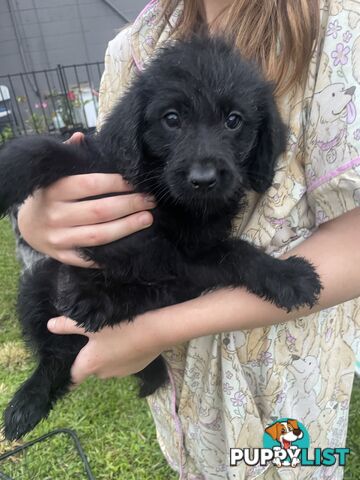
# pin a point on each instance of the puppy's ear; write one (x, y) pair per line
(120, 136)
(271, 142)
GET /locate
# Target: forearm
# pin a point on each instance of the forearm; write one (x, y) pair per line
(129, 347)
(334, 251)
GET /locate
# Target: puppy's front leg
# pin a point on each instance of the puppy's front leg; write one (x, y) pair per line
(289, 283)
(29, 163)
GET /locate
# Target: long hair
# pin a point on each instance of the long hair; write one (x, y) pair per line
(279, 35)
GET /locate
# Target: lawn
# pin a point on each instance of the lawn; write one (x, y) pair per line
(115, 428)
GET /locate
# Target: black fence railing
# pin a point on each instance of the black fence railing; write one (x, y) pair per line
(60, 100)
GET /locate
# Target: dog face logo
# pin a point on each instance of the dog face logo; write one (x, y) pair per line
(285, 432)
(287, 438)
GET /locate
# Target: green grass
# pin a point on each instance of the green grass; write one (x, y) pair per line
(115, 428)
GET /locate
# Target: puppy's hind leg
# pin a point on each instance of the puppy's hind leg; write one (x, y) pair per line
(56, 353)
(35, 398)
(152, 377)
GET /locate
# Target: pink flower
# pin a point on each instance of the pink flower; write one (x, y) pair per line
(265, 358)
(290, 338)
(149, 41)
(238, 399)
(151, 19)
(333, 29)
(340, 54)
(71, 96)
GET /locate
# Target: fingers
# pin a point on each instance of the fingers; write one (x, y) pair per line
(87, 185)
(77, 137)
(72, 257)
(101, 234)
(64, 326)
(98, 211)
(81, 368)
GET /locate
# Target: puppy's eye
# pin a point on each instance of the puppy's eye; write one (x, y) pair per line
(171, 120)
(233, 121)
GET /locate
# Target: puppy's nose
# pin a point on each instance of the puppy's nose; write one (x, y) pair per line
(203, 176)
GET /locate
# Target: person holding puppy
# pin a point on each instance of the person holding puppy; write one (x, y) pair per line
(233, 358)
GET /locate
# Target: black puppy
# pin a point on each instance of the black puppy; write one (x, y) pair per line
(196, 130)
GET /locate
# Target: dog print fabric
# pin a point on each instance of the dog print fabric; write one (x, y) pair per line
(227, 388)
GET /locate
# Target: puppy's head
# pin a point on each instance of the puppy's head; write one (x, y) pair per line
(197, 128)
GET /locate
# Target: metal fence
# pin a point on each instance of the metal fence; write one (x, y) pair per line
(56, 101)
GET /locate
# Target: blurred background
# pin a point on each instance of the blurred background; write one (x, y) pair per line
(51, 61)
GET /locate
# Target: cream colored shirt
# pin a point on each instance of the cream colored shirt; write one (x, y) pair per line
(225, 389)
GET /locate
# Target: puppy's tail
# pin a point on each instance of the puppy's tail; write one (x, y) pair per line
(29, 163)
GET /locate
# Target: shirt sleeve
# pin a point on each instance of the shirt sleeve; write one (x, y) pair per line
(332, 163)
(117, 73)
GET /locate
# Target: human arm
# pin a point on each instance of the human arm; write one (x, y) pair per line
(53, 221)
(222, 311)
(124, 349)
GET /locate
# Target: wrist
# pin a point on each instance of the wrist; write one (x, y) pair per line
(180, 323)
(165, 327)
(217, 312)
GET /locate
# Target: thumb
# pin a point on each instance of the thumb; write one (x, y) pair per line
(76, 138)
(64, 325)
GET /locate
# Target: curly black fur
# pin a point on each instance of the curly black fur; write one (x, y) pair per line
(198, 129)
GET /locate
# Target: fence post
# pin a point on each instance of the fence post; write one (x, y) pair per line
(57, 80)
(63, 85)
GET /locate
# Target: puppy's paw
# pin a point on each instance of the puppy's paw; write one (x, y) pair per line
(24, 412)
(293, 284)
(152, 377)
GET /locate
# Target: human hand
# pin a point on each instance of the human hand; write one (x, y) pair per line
(113, 351)
(54, 222)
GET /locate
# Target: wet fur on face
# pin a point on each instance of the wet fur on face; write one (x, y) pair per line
(197, 129)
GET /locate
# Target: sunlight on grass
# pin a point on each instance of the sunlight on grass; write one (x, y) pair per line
(13, 356)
